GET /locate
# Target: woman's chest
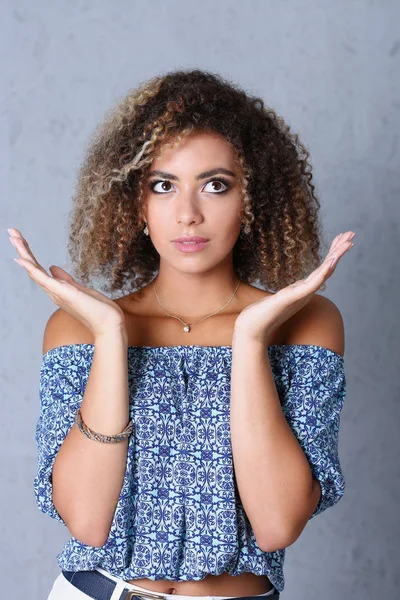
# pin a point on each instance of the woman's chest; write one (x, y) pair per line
(156, 331)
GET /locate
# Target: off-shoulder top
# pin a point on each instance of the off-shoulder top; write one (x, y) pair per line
(179, 516)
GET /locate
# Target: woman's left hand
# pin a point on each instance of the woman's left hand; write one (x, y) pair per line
(261, 318)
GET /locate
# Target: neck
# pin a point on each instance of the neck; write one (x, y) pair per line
(191, 296)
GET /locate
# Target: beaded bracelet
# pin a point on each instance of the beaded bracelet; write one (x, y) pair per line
(106, 439)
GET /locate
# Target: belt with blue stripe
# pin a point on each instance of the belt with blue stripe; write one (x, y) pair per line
(100, 587)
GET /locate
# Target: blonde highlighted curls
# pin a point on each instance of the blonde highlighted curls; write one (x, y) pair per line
(280, 238)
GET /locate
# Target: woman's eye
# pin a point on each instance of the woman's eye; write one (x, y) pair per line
(219, 183)
(165, 183)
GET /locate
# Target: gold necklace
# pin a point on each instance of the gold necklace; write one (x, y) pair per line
(187, 326)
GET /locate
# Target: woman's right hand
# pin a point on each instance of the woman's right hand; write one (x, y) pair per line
(97, 312)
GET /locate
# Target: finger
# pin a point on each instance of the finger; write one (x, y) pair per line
(16, 235)
(339, 250)
(23, 249)
(62, 275)
(46, 282)
(339, 240)
(45, 289)
(314, 281)
(40, 276)
(59, 273)
(342, 245)
(336, 241)
(347, 236)
(327, 266)
(21, 244)
(321, 272)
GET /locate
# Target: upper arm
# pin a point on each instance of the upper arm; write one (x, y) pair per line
(319, 322)
(61, 388)
(62, 328)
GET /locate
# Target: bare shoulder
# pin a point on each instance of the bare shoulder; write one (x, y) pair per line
(319, 322)
(62, 329)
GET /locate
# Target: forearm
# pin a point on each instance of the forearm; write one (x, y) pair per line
(273, 475)
(87, 474)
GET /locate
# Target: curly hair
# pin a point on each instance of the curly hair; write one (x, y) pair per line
(281, 236)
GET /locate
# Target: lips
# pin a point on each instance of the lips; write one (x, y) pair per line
(190, 246)
(192, 238)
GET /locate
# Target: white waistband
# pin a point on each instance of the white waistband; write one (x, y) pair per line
(121, 584)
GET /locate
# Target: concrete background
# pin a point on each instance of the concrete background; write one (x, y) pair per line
(331, 69)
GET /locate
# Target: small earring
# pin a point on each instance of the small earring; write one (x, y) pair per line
(146, 230)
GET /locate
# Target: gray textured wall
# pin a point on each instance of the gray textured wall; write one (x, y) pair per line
(332, 70)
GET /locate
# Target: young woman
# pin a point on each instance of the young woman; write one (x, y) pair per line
(189, 428)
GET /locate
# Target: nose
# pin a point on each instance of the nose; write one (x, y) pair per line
(187, 208)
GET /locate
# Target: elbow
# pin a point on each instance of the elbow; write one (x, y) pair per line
(272, 541)
(90, 540)
(84, 530)
(280, 539)
(284, 537)
(88, 535)
(276, 543)
(287, 537)
(81, 527)
(272, 544)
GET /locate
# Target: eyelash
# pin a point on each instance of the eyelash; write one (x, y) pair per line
(226, 183)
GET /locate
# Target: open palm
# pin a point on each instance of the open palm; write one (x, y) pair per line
(260, 318)
(97, 312)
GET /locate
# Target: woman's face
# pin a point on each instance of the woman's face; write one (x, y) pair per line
(184, 198)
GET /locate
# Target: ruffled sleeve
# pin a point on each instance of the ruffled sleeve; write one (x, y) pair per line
(63, 377)
(312, 402)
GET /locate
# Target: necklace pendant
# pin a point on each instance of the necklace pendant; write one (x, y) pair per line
(186, 329)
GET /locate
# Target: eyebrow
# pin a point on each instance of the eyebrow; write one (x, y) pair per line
(199, 176)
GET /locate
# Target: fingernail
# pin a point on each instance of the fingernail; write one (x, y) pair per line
(351, 236)
(18, 261)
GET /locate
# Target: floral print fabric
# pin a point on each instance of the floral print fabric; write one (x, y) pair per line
(179, 516)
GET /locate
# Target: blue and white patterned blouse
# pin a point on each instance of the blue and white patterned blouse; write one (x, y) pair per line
(179, 516)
